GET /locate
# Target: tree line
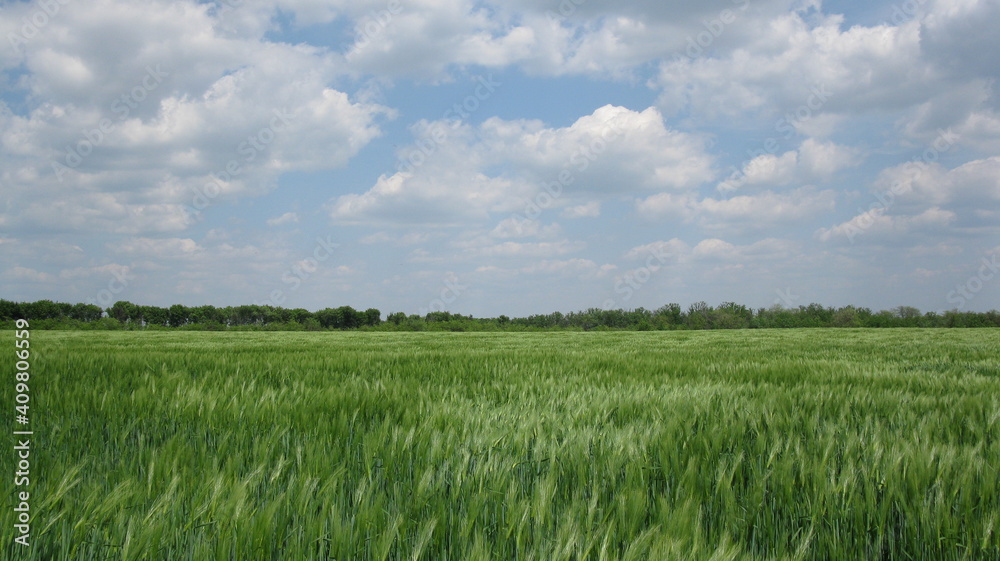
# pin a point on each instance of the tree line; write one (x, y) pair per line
(46, 314)
(125, 314)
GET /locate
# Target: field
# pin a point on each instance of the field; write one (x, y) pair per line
(784, 444)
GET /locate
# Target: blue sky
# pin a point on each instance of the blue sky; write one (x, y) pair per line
(501, 158)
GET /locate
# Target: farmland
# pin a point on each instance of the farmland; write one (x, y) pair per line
(755, 444)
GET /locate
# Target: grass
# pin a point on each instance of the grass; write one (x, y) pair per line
(783, 445)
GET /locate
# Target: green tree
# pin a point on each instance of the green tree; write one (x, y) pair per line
(42, 309)
(669, 315)
(730, 315)
(10, 310)
(86, 312)
(329, 318)
(372, 317)
(300, 315)
(178, 315)
(846, 317)
(698, 315)
(125, 312)
(155, 315)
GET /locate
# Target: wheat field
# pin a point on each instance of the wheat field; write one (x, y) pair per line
(722, 445)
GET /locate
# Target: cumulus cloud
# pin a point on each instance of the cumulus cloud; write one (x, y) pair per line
(612, 152)
(19, 273)
(525, 249)
(922, 198)
(744, 212)
(800, 69)
(191, 117)
(574, 268)
(881, 224)
(659, 248)
(159, 248)
(111, 270)
(410, 238)
(813, 161)
(588, 210)
(918, 185)
(770, 248)
(563, 267)
(514, 227)
(955, 34)
(425, 39)
(815, 76)
(287, 218)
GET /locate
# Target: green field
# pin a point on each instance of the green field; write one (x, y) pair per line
(790, 444)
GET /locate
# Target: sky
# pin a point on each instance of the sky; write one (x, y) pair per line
(493, 158)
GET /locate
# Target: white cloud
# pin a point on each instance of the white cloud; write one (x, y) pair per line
(820, 160)
(714, 247)
(526, 249)
(877, 223)
(938, 249)
(981, 130)
(589, 210)
(425, 39)
(761, 210)
(612, 152)
(158, 248)
(677, 251)
(287, 218)
(111, 270)
(766, 249)
(663, 205)
(125, 143)
(768, 169)
(956, 33)
(812, 161)
(18, 273)
(765, 209)
(916, 186)
(98, 212)
(408, 239)
(514, 227)
(546, 268)
(453, 196)
(803, 70)
(661, 250)
(562, 267)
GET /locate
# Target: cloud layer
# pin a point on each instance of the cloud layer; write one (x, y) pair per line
(535, 153)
